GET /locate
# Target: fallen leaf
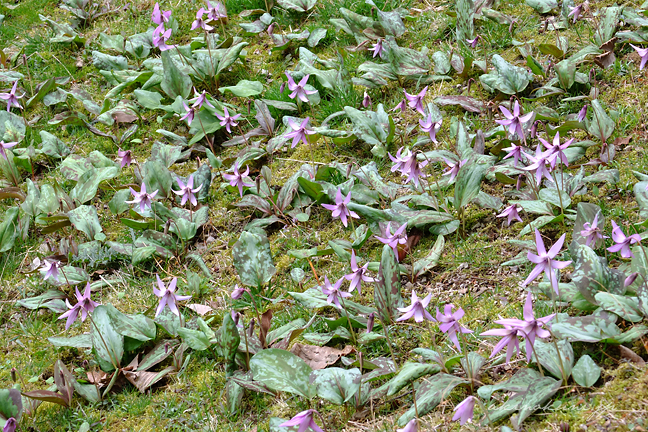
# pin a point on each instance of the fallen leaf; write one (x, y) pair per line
(628, 354)
(200, 309)
(319, 357)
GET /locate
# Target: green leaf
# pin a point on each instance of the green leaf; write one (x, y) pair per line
(465, 21)
(118, 204)
(297, 5)
(506, 78)
(244, 88)
(316, 36)
(174, 81)
(551, 196)
(430, 394)
(422, 266)
(625, 307)
(253, 259)
(548, 356)
(135, 326)
(373, 127)
(107, 343)
(88, 183)
(229, 340)
(592, 275)
(85, 219)
(468, 183)
(148, 99)
(229, 57)
(81, 341)
(109, 62)
(387, 289)
(536, 395)
(9, 229)
(601, 125)
(336, 385)
(542, 6)
(586, 372)
(409, 373)
(52, 146)
(10, 404)
(282, 371)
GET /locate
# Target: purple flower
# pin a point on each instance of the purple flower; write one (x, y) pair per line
(200, 100)
(238, 292)
(539, 164)
(214, 12)
(378, 49)
(630, 279)
(333, 292)
(200, 22)
(6, 146)
(453, 168)
(643, 53)
(299, 132)
(514, 121)
(464, 411)
(227, 120)
(236, 179)
(622, 242)
(511, 212)
(449, 323)
(556, 150)
(402, 106)
(304, 420)
(408, 165)
(473, 44)
(51, 268)
(515, 151)
(11, 98)
(416, 101)
(298, 90)
(358, 274)
(592, 232)
(431, 127)
(160, 38)
(545, 261)
(366, 100)
(411, 426)
(582, 114)
(159, 17)
(509, 340)
(84, 305)
(168, 296)
(125, 157)
(393, 240)
(340, 208)
(190, 113)
(529, 327)
(534, 129)
(10, 425)
(370, 321)
(575, 12)
(142, 198)
(187, 191)
(417, 309)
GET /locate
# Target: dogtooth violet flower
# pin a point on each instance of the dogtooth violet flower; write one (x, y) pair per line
(465, 410)
(556, 150)
(190, 113)
(416, 101)
(142, 197)
(473, 42)
(214, 11)
(509, 340)
(592, 232)
(160, 38)
(200, 99)
(10, 425)
(393, 240)
(511, 213)
(515, 151)
(299, 132)
(408, 165)
(371, 318)
(366, 100)
(545, 261)
(622, 243)
(187, 191)
(575, 12)
(529, 327)
(377, 49)
(51, 267)
(358, 274)
(158, 16)
(582, 114)
(417, 310)
(84, 305)
(237, 293)
(199, 22)
(236, 179)
(643, 53)
(6, 146)
(514, 121)
(304, 420)
(430, 126)
(333, 293)
(125, 157)
(539, 164)
(402, 106)
(411, 426)
(11, 98)
(227, 120)
(453, 168)
(167, 296)
(449, 323)
(340, 209)
(298, 89)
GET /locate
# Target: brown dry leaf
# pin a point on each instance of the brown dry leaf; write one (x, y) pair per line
(628, 354)
(319, 357)
(124, 117)
(200, 309)
(266, 320)
(144, 379)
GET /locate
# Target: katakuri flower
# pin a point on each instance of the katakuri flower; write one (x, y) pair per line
(393, 240)
(160, 38)
(298, 89)
(430, 126)
(199, 22)
(236, 179)
(592, 232)
(142, 197)
(402, 106)
(237, 293)
(227, 120)
(333, 292)
(84, 305)
(453, 168)
(299, 132)
(473, 44)
(515, 122)
(545, 261)
(575, 12)
(411, 426)
(378, 49)
(167, 296)
(582, 114)
(557, 150)
(158, 16)
(643, 53)
(371, 318)
(622, 242)
(304, 420)
(515, 151)
(449, 323)
(10, 425)
(6, 146)
(511, 212)
(530, 327)
(216, 11)
(187, 191)
(51, 267)
(509, 340)
(465, 410)
(416, 101)
(358, 274)
(200, 99)
(340, 209)
(417, 310)
(125, 157)
(11, 98)
(539, 164)
(408, 165)
(190, 113)
(366, 100)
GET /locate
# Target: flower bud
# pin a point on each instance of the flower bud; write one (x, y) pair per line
(370, 322)
(630, 279)
(366, 101)
(13, 374)
(238, 292)
(282, 88)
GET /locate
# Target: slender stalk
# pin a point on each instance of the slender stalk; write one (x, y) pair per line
(110, 354)
(415, 406)
(469, 371)
(247, 348)
(353, 336)
(483, 407)
(391, 350)
(537, 359)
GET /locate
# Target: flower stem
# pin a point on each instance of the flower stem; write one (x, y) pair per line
(353, 336)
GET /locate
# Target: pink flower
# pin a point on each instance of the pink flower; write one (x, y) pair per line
(431, 127)
(539, 164)
(298, 90)
(556, 150)
(515, 151)
(358, 274)
(511, 212)
(514, 121)
(200, 100)
(200, 22)
(417, 310)
(333, 292)
(340, 209)
(411, 426)
(545, 261)
(304, 420)
(6, 146)
(582, 114)
(142, 198)
(160, 38)
(227, 120)
(125, 157)
(622, 242)
(236, 179)
(473, 44)
(592, 232)
(84, 305)
(168, 296)
(299, 132)
(187, 191)
(393, 240)
(416, 101)
(408, 165)
(402, 106)
(453, 168)
(643, 52)
(464, 411)
(509, 340)
(159, 17)
(11, 98)
(366, 100)
(378, 49)
(51, 267)
(449, 323)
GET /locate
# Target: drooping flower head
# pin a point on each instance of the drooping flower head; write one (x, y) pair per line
(304, 420)
(545, 261)
(592, 232)
(298, 89)
(160, 38)
(511, 213)
(11, 98)
(509, 340)
(402, 106)
(393, 240)
(539, 164)
(340, 209)
(167, 296)
(378, 49)
(366, 100)
(453, 168)
(417, 310)
(51, 267)
(6, 146)
(623, 243)
(237, 293)
(643, 53)
(473, 44)
(216, 11)
(411, 426)
(430, 126)
(142, 198)
(464, 411)
(190, 113)
(199, 22)
(358, 274)
(84, 305)
(10, 425)
(333, 293)
(227, 120)
(158, 16)
(416, 101)
(449, 323)
(582, 114)
(408, 165)
(299, 132)
(515, 151)
(200, 99)
(575, 12)
(370, 321)
(515, 122)
(187, 191)
(125, 157)
(557, 150)
(236, 179)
